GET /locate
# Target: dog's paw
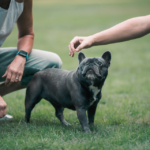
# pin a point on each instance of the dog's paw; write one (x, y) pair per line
(66, 123)
(87, 131)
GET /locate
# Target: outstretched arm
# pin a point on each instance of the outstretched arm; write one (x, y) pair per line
(127, 30)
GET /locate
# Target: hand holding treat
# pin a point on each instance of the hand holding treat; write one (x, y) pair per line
(79, 43)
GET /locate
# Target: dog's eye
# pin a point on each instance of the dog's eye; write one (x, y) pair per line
(100, 63)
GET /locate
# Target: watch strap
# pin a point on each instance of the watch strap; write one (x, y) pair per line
(26, 55)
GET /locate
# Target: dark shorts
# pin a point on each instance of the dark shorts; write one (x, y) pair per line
(38, 60)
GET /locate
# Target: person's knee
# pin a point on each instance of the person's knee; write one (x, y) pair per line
(53, 61)
(40, 60)
(58, 62)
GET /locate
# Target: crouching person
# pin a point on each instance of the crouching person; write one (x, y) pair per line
(19, 64)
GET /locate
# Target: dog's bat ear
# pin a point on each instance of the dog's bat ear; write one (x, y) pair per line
(107, 57)
(81, 56)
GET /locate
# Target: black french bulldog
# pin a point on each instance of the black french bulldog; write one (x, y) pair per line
(78, 90)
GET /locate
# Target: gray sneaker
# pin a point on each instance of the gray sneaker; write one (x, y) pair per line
(6, 117)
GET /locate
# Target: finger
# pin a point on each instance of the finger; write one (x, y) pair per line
(69, 50)
(20, 77)
(4, 74)
(13, 77)
(8, 77)
(17, 78)
(81, 46)
(73, 43)
(72, 52)
(72, 47)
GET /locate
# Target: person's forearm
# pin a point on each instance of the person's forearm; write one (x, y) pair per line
(127, 30)
(15, 70)
(26, 43)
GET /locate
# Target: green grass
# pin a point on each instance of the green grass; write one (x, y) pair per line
(122, 120)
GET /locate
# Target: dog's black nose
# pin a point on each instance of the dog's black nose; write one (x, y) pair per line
(90, 71)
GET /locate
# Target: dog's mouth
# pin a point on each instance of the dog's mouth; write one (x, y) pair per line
(91, 74)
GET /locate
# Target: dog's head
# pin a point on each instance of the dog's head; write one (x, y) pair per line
(93, 70)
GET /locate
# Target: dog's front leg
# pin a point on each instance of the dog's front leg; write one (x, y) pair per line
(91, 114)
(83, 119)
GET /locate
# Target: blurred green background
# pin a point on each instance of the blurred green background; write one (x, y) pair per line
(123, 115)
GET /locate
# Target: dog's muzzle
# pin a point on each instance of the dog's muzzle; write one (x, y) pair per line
(91, 70)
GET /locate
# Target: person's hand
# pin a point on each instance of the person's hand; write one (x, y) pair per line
(15, 70)
(3, 107)
(79, 43)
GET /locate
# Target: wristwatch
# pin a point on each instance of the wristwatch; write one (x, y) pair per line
(23, 54)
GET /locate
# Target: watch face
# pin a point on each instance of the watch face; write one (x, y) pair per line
(23, 53)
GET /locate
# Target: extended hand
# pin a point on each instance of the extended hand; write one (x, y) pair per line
(15, 70)
(79, 43)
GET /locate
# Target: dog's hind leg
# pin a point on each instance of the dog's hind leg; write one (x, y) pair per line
(29, 105)
(60, 116)
(32, 98)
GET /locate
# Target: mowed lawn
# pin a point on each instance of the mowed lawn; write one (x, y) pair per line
(122, 120)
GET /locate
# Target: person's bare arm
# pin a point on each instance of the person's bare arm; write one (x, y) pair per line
(25, 28)
(127, 30)
(15, 70)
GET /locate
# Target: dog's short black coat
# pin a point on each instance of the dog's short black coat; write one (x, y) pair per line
(78, 90)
